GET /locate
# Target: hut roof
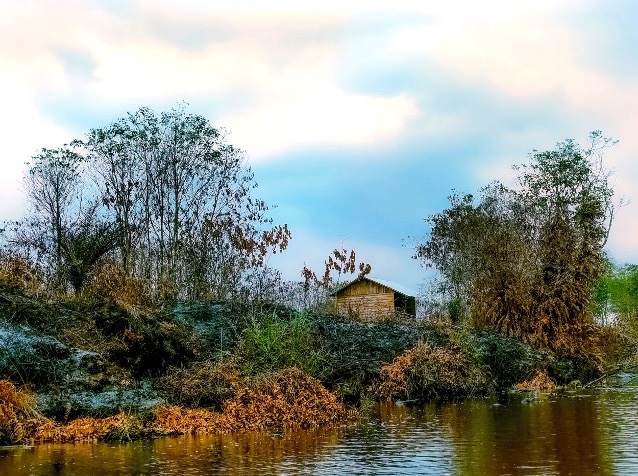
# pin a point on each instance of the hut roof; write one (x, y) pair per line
(383, 282)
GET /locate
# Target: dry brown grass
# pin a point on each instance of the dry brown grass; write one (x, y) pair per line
(18, 417)
(120, 427)
(424, 372)
(112, 283)
(18, 274)
(395, 377)
(201, 384)
(541, 382)
(286, 399)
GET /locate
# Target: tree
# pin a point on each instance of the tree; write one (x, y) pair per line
(182, 197)
(340, 261)
(84, 244)
(526, 260)
(52, 185)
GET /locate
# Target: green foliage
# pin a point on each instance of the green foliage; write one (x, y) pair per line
(271, 343)
(84, 245)
(620, 291)
(506, 360)
(617, 303)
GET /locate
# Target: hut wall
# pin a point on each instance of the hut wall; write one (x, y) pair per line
(366, 306)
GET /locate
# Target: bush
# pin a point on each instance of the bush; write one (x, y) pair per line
(271, 343)
(356, 351)
(287, 398)
(206, 384)
(427, 373)
(111, 283)
(540, 382)
(506, 360)
(18, 274)
(18, 417)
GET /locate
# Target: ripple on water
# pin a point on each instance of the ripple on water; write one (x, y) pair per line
(593, 435)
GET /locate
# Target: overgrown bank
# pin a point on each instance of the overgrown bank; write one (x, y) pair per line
(136, 297)
(87, 369)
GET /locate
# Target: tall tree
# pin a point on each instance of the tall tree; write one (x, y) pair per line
(526, 260)
(52, 185)
(182, 197)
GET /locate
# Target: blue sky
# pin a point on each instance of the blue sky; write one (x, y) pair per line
(358, 117)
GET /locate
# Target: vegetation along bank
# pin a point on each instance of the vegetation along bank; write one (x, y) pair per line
(136, 300)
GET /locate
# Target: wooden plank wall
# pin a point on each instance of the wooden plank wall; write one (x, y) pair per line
(369, 306)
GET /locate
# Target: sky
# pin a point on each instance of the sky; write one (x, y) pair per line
(359, 118)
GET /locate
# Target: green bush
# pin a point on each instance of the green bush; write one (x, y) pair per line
(271, 342)
(506, 360)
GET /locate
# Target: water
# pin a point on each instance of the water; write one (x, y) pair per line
(581, 433)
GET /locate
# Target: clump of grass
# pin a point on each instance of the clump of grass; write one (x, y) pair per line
(505, 359)
(206, 384)
(120, 427)
(356, 351)
(19, 275)
(270, 343)
(428, 373)
(287, 398)
(18, 416)
(111, 283)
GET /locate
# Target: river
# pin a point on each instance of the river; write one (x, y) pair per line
(579, 433)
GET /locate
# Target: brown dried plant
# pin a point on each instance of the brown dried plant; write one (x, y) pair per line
(424, 372)
(341, 261)
(18, 416)
(540, 382)
(18, 274)
(206, 384)
(112, 283)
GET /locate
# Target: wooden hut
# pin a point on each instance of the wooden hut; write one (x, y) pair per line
(372, 298)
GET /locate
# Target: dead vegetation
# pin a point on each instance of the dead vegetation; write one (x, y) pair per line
(111, 282)
(18, 416)
(424, 372)
(206, 384)
(286, 399)
(539, 382)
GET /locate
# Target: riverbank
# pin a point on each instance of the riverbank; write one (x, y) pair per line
(89, 369)
(580, 432)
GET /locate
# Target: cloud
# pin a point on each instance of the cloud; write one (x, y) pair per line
(359, 117)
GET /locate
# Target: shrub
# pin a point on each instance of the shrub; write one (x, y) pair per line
(356, 351)
(111, 283)
(206, 384)
(18, 416)
(287, 398)
(540, 382)
(506, 360)
(18, 274)
(120, 427)
(428, 373)
(271, 343)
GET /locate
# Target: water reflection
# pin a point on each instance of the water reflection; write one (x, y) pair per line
(578, 434)
(551, 436)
